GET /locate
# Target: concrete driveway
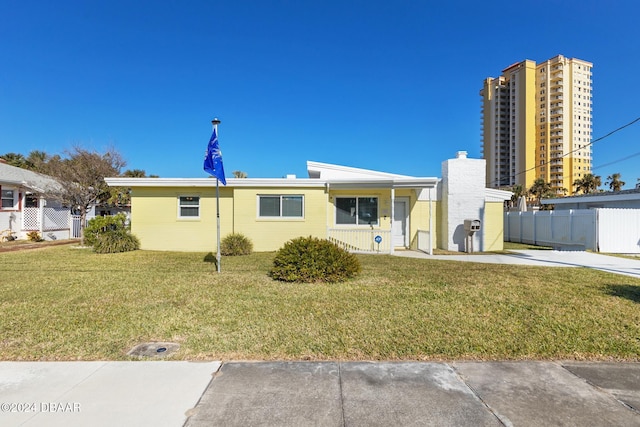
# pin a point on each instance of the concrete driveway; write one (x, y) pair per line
(545, 258)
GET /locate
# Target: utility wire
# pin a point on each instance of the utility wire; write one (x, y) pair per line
(616, 161)
(583, 147)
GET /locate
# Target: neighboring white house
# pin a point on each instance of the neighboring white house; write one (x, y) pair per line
(625, 199)
(25, 206)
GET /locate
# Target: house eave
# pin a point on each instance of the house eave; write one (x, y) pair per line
(413, 183)
(275, 182)
(209, 182)
(494, 195)
(339, 172)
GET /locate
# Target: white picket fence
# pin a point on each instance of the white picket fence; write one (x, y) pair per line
(602, 230)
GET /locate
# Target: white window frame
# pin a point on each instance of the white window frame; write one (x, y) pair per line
(14, 198)
(335, 205)
(180, 206)
(279, 217)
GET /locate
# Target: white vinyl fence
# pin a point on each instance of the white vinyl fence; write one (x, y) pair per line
(602, 230)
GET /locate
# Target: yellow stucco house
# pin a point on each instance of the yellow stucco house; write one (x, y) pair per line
(361, 210)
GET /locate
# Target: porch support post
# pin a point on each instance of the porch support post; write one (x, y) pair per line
(41, 218)
(393, 198)
(430, 223)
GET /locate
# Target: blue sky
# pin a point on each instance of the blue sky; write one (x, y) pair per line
(390, 86)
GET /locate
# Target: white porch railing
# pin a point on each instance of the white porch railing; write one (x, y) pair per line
(52, 222)
(46, 220)
(424, 241)
(356, 240)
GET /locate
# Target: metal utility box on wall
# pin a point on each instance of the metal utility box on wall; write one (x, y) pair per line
(470, 227)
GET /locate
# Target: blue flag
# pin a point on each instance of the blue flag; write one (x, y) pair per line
(213, 159)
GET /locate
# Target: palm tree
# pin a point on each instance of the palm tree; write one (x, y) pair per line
(518, 191)
(614, 182)
(540, 189)
(37, 160)
(15, 159)
(135, 173)
(588, 184)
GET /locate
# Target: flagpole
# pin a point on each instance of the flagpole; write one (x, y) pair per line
(215, 122)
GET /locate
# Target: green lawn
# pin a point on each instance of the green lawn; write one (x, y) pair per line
(61, 303)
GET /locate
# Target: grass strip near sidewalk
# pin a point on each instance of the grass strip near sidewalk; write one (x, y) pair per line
(62, 303)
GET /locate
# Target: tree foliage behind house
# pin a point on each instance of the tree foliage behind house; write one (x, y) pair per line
(614, 181)
(588, 184)
(541, 189)
(81, 175)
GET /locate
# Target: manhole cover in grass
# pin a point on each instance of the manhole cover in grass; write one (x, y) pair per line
(154, 349)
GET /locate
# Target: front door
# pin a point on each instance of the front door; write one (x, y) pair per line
(400, 223)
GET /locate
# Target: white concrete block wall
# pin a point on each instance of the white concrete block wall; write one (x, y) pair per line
(463, 188)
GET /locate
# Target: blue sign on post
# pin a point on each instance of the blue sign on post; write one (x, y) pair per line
(378, 239)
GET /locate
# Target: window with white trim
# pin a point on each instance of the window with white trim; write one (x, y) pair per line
(8, 199)
(188, 207)
(357, 210)
(281, 206)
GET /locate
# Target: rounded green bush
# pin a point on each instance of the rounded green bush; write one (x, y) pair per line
(236, 244)
(309, 259)
(103, 224)
(115, 241)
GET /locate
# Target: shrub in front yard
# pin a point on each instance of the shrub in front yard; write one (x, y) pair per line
(114, 241)
(236, 244)
(309, 259)
(103, 224)
(34, 236)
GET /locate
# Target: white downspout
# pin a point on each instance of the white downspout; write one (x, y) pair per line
(328, 209)
(393, 198)
(430, 224)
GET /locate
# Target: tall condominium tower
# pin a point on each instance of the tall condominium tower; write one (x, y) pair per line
(536, 123)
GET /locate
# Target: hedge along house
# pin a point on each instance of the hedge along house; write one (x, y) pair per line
(359, 209)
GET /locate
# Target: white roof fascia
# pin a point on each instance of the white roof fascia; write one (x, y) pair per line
(604, 197)
(210, 182)
(494, 195)
(12, 182)
(274, 182)
(328, 171)
(385, 183)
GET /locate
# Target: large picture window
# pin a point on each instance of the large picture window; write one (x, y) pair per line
(278, 206)
(7, 199)
(357, 210)
(189, 207)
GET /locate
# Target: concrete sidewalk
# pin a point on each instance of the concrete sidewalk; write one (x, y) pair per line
(140, 393)
(319, 394)
(544, 258)
(414, 393)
